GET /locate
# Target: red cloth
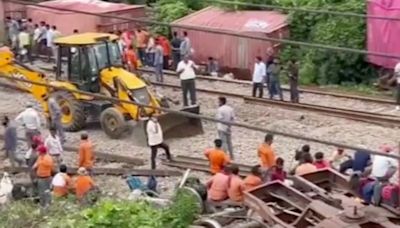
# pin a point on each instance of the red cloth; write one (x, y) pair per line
(278, 174)
(164, 42)
(42, 149)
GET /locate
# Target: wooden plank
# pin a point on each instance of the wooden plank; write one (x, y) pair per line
(109, 171)
(101, 155)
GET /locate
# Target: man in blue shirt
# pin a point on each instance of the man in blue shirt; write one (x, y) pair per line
(361, 160)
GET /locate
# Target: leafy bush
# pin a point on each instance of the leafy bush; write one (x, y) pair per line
(107, 213)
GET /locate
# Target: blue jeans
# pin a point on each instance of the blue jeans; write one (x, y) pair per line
(274, 87)
(159, 72)
(150, 59)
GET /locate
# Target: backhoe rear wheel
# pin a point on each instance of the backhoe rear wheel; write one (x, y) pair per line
(113, 123)
(73, 114)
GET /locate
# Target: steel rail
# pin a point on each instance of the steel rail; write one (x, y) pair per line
(198, 116)
(369, 117)
(101, 155)
(301, 90)
(216, 31)
(306, 10)
(110, 171)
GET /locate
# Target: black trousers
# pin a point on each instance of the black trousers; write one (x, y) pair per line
(398, 94)
(154, 150)
(166, 62)
(259, 87)
(188, 87)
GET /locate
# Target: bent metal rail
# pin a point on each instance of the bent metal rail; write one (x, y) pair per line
(369, 117)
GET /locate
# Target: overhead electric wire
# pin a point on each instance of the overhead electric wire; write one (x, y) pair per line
(305, 10)
(198, 116)
(217, 31)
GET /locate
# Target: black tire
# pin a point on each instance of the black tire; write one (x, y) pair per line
(73, 113)
(113, 123)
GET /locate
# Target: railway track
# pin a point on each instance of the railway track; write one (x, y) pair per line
(301, 90)
(369, 117)
(200, 164)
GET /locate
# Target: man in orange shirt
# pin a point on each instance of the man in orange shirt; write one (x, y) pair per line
(166, 51)
(236, 185)
(266, 153)
(217, 157)
(218, 185)
(142, 38)
(86, 157)
(62, 183)
(83, 184)
(254, 179)
(44, 167)
(131, 59)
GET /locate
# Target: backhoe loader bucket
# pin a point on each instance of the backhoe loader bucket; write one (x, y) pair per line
(173, 126)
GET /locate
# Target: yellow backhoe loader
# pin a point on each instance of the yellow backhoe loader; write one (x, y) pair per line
(92, 62)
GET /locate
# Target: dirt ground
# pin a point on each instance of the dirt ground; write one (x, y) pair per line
(245, 141)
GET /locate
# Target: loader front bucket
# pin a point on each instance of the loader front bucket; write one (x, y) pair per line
(178, 126)
(173, 126)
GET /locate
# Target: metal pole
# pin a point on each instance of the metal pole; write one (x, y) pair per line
(198, 116)
(216, 31)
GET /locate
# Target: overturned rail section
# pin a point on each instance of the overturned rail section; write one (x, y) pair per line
(200, 164)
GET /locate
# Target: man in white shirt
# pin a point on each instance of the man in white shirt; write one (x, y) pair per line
(225, 113)
(259, 75)
(54, 49)
(24, 42)
(186, 70)
(383, 168)
(397, 75)
(49, 42)
(155, 139)
(53, 145)
(30, 119)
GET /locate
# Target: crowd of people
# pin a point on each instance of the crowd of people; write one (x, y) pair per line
(44, 155)
(227, 186)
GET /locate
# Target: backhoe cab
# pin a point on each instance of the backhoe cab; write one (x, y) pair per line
(92, 62)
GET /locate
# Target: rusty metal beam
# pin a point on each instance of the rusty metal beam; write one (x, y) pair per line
(109, 171)
(101, 155)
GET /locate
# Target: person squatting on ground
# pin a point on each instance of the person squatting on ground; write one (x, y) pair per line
(44, 167)
(254, 179)
(225, 113)
(259, 76)
(83, 185)
(155, 139)
(30, 119)
(307, 166)
(62, 183)
(218, 185)
(236, 185)
(217, 157)
(186, 70)
(55, 118)
(10, 140)
(86, 156)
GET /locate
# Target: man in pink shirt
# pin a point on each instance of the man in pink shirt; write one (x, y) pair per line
(218, 185)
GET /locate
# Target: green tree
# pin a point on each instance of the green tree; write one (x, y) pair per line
(168, 11)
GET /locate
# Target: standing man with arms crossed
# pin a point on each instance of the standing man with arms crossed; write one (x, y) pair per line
(225, 113)
(186, 71)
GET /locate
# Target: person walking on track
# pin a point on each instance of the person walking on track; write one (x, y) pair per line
(55, 118)
(186, 70)
(225, 113)
(274, 84)
(259, 76)
(155, 139)
(30, 119)
(293, 73)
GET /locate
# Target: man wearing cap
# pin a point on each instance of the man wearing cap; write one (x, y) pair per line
(44, 167)
(30, 119)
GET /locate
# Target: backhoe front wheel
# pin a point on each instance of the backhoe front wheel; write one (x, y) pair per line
(73, 116)
(113, 123)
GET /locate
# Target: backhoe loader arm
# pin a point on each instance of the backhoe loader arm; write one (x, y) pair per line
(11, 69)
